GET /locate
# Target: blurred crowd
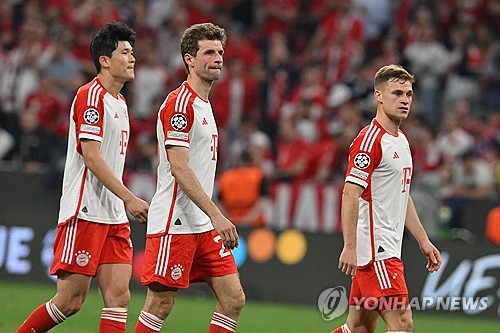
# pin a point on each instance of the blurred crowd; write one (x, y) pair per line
(296, 88)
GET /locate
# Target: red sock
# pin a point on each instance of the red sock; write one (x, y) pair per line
(148, 323)
(113, 320)
(342, 329)
(222, 324)
(42, 319)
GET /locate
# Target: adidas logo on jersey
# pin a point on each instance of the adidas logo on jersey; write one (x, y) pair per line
(116, 115)
(84, 209)
(395, 155)
(204, 122)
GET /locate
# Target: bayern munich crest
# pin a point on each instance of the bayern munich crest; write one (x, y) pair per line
(177, 272)
(179, 121)
(82, 258)
(91, 116)
(362, 161)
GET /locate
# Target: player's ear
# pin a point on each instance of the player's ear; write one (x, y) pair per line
(104, 61)
(188, 59)
(378, 95)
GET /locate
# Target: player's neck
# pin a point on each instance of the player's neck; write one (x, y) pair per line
(112, 86)
(390, 125)
(200, 86)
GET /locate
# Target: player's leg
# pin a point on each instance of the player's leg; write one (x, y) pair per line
(394, 306)
(76, 254)
(230, 301)
(113, 276)
(113, 282)
(159, 303)
(167, 265)
(398, 320)
(359, 320)
(215, 265)
(72, 289)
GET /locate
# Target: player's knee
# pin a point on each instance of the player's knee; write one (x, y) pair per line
(117, 300)
(366, 327)
(407, 321)
(72, 306)
(160, 306)
(123, 300)
(370, 326)
(235, 303)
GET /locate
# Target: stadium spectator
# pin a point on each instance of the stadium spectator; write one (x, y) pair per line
(94, 198)
(151, 79)
(197, 235)
(470, 178)
(49, 106)
(293, 154)
(453, 140)
(7, 142)
(429, 58)
(234, 97)
(243, 193)
(38, 147)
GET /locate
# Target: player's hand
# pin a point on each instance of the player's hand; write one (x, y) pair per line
(139, 209)
(348, 261)
(226, 230)
(433, 256)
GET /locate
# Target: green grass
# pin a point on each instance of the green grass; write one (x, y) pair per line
(192, 315)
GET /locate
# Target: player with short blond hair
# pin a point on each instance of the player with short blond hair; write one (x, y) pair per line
(376, 207)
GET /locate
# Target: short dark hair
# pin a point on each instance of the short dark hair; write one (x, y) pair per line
(197, 32)
(106, 41)
(391, 72)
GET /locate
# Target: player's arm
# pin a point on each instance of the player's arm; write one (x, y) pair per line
(349, 215)
(417, 230)
(178, 157)
(101, 170)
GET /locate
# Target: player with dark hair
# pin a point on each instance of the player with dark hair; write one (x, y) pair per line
(188, 238)
(93, 234)
(376, 207)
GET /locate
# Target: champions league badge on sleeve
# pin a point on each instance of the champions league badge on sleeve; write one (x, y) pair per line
(362, 161)
(91, 116)
(179, 121)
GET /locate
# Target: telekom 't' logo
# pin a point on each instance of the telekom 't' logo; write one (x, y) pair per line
(214, 146)
(406, 179)
(123, 142)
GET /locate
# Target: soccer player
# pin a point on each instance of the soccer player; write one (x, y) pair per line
(93, 234)
(188, 238)
(376, 206)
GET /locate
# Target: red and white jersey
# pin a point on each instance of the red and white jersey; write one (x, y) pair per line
(184, 120)
(95, 115)
(382, 164)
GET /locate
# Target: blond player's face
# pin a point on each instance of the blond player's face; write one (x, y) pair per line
(395, 99)
(122, 62)
(207, 63)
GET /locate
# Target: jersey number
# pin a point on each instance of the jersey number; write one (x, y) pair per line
(222, 252)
